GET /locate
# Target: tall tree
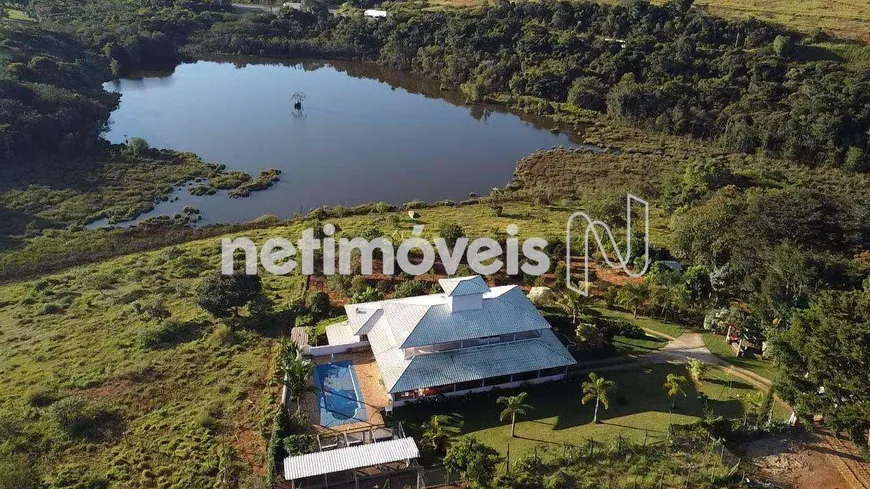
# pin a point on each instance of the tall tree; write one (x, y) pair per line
(823, 357)
(597, 388)
(513, 406)
(223, 295)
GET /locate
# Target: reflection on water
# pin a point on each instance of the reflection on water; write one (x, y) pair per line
(364, 133)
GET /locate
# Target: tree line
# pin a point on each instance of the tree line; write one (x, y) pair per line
(752, 86)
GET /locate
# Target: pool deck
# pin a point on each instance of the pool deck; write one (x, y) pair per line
(374, 396)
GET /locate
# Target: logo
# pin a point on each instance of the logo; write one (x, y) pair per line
(323, 253)
(592, 227)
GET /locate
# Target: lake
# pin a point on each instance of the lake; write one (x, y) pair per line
(364, 134)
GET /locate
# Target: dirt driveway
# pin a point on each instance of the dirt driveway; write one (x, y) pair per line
(804, 461)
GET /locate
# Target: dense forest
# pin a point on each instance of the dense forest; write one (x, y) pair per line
(50, 93)
(749, 85)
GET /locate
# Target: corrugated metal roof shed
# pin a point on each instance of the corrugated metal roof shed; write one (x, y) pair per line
(339, 460)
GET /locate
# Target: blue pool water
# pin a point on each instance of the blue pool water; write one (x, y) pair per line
(339, 394)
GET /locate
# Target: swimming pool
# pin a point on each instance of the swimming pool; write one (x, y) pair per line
(339, 394)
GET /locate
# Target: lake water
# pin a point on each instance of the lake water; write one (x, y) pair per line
(364, 134)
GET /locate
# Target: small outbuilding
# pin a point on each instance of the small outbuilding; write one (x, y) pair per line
(362, 466)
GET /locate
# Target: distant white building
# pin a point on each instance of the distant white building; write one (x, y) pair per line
(470, 338)
(375, 13)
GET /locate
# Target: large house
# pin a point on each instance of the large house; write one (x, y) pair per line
(469, 338)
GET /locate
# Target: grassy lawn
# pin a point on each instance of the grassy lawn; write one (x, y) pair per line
(656, 325)
(639, 407)
(717, 346)
(637, 346)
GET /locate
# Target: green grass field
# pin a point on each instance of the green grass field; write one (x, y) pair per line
(845, 18)
(638, 408)
(638, 346)
(656, 325)
(180, 409)
(717, 346)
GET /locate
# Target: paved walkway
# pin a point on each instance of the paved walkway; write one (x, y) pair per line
(677, 351)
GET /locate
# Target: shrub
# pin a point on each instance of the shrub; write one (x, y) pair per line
(75, 416)
(52, 308)
(451, 233)
(281, 427)
(209, 418)
(299, 444)
(340, 283)
(223, 335)
(163, 333)
(589, 336)
(304, 320)
(18, 471)
(41, 397)
(139, 147)
(358, 285)
(411, 288)
(369, 295)
(318, 304)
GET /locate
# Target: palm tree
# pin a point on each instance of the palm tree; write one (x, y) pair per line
(439, 429)
(295, 372)
(572, 303)
(597, 388)
(513, 406)
(633, 296)
(698, 369)
(674, 386)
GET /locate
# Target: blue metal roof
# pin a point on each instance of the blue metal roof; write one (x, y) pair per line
(468, 364)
